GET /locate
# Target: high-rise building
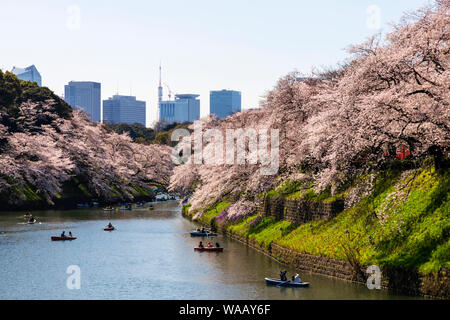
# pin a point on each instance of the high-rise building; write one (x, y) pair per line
(85, 95)
(185, 108)
(224, 103)
(28, 74)
(124, 109)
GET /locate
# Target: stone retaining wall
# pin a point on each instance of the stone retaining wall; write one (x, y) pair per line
(300, 211)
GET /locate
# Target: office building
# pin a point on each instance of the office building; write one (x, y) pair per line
(28, 74)
(224, 103)
(185, 108)
(124, 109)
(85, 95)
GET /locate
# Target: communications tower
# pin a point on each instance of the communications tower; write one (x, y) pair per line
(160, 94)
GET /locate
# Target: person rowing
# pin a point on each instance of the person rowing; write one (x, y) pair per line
(209, 245)
(110, 225)
(200, 245)
(217, 245)
(63, 234)
(283, 275)
(70, 234)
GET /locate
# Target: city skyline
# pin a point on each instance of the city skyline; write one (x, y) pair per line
(199, 48)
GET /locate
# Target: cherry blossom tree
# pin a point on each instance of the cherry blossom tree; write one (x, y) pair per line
(337, 124)
(48, 150)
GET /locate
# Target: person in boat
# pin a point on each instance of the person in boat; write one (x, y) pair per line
(296, 278)
(203, 230)
(209, 245)
(217, 245)
(31, 219)
(63, 234)
(198, 229)
(110, 225)
(283, 275)
(200, 245)
(70, 234)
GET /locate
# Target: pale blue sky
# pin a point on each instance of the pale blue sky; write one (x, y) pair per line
(203, 44)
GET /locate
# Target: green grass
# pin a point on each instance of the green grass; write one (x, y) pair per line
(215, 210)
(28, 194)
(301, 190)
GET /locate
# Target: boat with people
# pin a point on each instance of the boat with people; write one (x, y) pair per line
(63, 238)
(203, 234)
(109, 227)
(288, 283)
(208, 249)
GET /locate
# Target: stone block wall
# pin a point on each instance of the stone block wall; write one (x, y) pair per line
(300, 211)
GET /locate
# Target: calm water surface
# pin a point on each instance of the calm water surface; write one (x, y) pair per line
(149, 256)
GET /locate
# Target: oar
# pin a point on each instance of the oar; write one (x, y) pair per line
(282, 283)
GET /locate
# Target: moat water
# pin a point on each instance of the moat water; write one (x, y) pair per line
(149, 256)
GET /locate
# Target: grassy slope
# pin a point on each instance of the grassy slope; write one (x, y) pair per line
(404, 222)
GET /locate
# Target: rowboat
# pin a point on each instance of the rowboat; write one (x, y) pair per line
(108, 228)
(211, 249)
(289, 283)
(203, 234)
(63, 238)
